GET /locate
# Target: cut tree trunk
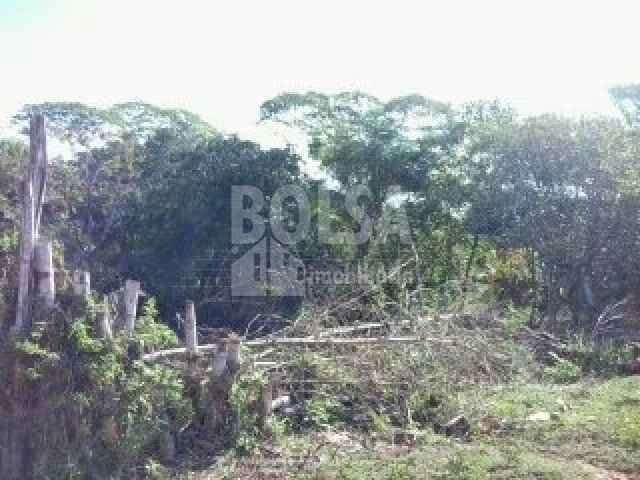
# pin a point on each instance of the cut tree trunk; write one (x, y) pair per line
(190, 328)
(105, 329)
(82, 284)
(32, 199)
(43, 267)
(131, 293)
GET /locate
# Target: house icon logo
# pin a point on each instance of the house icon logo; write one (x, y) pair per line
(268, 269)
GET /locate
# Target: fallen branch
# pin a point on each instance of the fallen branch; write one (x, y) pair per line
(332, 341)
(346, 330)
(297, 341)
(172, 352)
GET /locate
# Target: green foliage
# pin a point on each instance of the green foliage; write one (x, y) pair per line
(153, 402)
(84, 125)
(82, 341)
(154, 335)
(245, 398)
(38, 361)
(359, 138)
(628, 427)
(424, 406)
(600, 359)
(516, 317)
(510, 277)
(181, 213)
(563, 371)
(32, 349)
(465, 467)
(380, 423)
(154, 470)
(368, 469)
(324, 412)
(11, 155)
(108, 412)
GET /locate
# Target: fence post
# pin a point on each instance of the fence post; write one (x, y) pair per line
(104, 320)
(220, 361)
(267, 400)
(44, 273)
(131, 292)
(81, 283)
(233, 349)
(190, 328)
(405, 410)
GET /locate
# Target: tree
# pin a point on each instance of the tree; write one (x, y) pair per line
(553, 185)
(147, 194)
(179, 238)
(86, 126)
(89, 194)
(12, 154)
(360, 139)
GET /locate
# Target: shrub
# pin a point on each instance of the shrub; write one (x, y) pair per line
(464, 467)
(324, 412)
(563, 371)
(628, 428)
(154, 335)
(245, 397)
(424, 407)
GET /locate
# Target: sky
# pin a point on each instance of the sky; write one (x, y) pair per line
(221, 59)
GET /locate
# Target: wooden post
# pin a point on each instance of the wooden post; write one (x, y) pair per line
(104, 320)
(315, 327)
(233, 349)
(81, 283)
(267, 400)
(43, 267)
(131, 292)
(32, 197)
(220, 363)
(405, 410)
(190, 328)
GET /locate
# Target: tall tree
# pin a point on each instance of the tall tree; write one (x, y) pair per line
(554, 185)
(360, 139)
(12, 155)
(86, 126)
(179, 223)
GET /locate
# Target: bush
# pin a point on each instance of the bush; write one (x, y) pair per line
(628, 428)
(511, 277)
(424, 407)
(563, 371)
(109, 412)
(154, 335)
(245, 398)
(324, 412)
(464, 467)
(603, 359)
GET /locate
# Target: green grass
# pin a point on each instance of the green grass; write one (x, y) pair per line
(598, 422)
(594, 425)
(456, 463)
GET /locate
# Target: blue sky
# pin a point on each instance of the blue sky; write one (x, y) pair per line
(222, 59)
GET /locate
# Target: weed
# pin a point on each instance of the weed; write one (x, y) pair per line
(563, 371)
